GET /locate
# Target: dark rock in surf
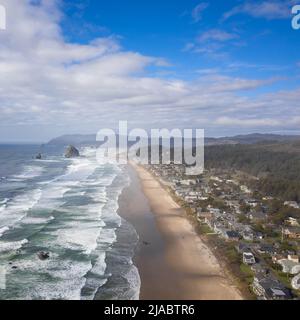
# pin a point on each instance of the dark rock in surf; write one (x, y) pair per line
(43, 255)
(71, 152)
(38, 156)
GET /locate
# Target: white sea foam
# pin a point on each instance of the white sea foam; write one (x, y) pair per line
(3, 230)
(18, 207)
(97, 278)
(37, 220)
(29, 172)
(133, 278)
(10, 246)
(47, 161)
(4, 201)
(68, 278)
(79, 238)
(79, 227)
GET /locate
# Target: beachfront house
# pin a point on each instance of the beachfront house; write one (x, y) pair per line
(296, 282)
(248, 258)
(268, 288)
(204, 217)
(232, 235)
(220, 229)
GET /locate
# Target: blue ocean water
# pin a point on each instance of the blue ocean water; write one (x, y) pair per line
(67, 207)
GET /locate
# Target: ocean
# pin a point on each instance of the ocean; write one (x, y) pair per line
(69, 208)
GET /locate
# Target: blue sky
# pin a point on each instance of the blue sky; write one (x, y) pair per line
(229, 67)
(261, 46)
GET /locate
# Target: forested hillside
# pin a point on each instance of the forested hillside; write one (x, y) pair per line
(277, 165)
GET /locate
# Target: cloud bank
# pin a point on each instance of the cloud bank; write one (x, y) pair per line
(49, 86)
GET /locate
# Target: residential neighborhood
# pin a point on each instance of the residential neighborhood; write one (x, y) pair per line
(228, 210)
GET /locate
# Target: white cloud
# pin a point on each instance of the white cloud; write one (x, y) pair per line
(198, 11)
(259, 123)
(49, 86)
(227, 121)
(212, 42)
(268, 9)
(217, 35)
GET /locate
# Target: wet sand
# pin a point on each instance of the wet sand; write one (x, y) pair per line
(173, 262)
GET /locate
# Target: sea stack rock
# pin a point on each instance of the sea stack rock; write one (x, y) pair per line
(71, 152)
(38, 156)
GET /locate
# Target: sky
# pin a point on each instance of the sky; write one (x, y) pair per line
(229, 67)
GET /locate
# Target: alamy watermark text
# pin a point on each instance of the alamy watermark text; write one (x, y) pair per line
(296, 18)
(160, 146)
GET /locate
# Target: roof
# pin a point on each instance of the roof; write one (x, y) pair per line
(242, 247)
(276, 292)
(293, 229)
(267, 248)
(232, 234)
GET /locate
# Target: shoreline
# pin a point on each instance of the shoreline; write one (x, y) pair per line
(173, 261)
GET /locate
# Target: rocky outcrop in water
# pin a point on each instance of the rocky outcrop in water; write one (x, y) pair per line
(71, 152)
(43, 255)
(38, 156)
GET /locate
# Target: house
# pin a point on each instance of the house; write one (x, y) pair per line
(296, 282)
(241, 248)
(266, 249)
(291, 232)
(251, 202)
(277, 257)
(190, 199)
(188, 182)
(289, 266)
(232, 235)
(269, 288)
(268, 198)
(293, 258)
(219, 229)
(214, 211)
(204, 216)
(210, 221)
(257, 216)
(257, 268)
(248, 258)
(248, 235)
(292, 204)
(245, 189)
(259, 235)
(292, 222)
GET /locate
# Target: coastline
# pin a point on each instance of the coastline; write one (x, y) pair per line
(173, 262)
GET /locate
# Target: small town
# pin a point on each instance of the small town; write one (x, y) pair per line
(264, 246)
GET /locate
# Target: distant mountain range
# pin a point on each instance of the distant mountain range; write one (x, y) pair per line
(74, 139)
(81, 140)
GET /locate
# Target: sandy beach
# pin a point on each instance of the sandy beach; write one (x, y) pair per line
(172, 260)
